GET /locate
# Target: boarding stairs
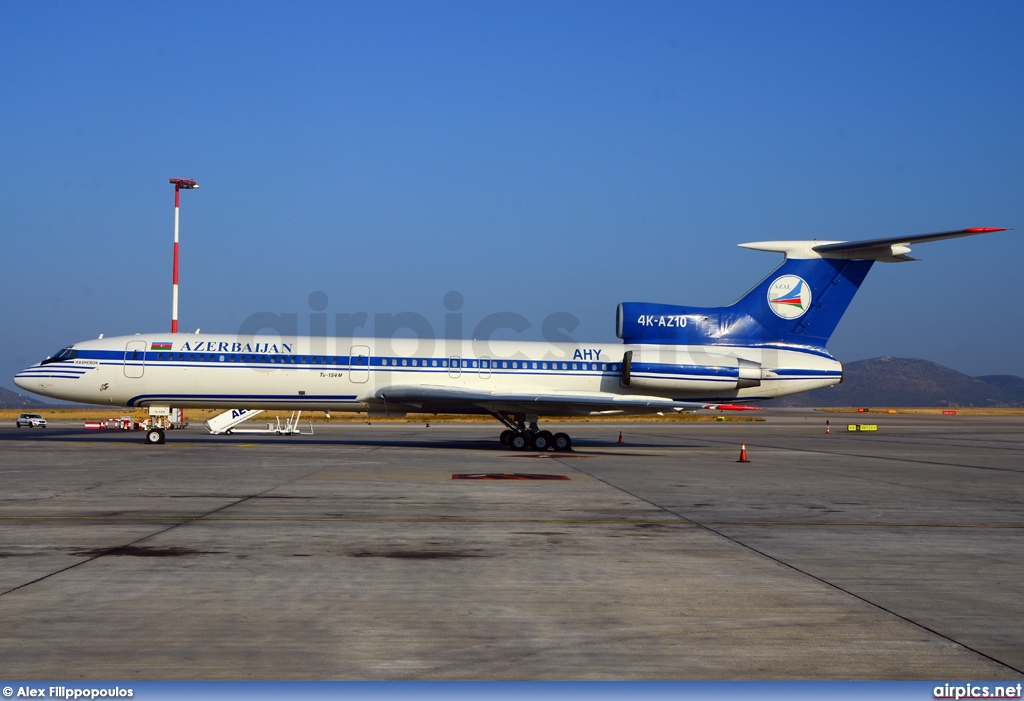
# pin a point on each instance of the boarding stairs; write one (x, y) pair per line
(230, 422)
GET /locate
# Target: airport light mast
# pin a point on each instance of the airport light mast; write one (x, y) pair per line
(179, 185)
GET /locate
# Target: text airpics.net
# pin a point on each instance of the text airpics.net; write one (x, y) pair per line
(977, 691)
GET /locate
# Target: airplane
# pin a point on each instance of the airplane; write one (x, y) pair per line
(770, 343)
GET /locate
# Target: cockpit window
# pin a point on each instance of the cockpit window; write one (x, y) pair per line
(64, 354)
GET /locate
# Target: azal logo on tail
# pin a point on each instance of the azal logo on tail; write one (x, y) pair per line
(789, 297)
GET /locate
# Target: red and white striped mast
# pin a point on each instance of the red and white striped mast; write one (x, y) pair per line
(179, 185)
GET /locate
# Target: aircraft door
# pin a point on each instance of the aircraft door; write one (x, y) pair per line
(359, 364)
(135, 359)
(454, 366)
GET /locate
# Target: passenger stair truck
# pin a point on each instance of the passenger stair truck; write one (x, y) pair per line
(223, 423)
(229, 421)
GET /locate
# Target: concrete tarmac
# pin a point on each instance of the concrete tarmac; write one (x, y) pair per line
(353, 554)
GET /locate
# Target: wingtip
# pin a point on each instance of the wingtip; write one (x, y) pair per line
(984, 229)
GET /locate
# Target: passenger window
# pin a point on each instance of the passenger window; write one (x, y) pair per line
(534, 365)
(504, 363)
(433, 363)
(574, 366)
(220, 358)
(444, 363)
(404, 362)
(515, 365)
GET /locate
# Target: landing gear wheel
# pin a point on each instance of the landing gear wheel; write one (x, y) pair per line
(506, 437)
(155, 436)
(561, 442)
(518, 442)
(541, 441)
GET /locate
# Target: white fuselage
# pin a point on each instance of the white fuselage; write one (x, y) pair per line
(355, 374)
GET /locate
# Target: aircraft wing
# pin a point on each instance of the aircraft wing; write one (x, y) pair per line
(447, 399)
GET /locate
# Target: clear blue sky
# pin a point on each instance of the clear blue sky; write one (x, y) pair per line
(536, 157)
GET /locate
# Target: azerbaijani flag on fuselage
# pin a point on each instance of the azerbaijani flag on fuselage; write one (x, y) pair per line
(160, 346)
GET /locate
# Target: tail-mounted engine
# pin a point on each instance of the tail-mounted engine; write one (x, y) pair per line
(685, 379)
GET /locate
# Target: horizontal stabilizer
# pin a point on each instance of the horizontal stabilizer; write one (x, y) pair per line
(887, 250)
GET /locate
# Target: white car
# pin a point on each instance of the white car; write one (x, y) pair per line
(31, 420)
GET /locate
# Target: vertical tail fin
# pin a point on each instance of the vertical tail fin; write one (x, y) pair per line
(798, 305)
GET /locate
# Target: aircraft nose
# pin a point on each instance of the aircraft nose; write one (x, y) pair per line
(24, 380)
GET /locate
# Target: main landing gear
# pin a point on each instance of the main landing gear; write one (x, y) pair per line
(523, 434)
(155, 436)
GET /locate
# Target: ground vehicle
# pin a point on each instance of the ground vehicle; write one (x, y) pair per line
(31, 420)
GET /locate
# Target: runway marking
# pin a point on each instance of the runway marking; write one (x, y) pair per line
(550, 457)
(859, 524)
(346, 519)
(506, 476)
(174, 523)
(708, 527)
(893, 458)
(596, 521)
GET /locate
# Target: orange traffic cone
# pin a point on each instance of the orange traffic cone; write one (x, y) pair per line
(743, 453)
(620, 437)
